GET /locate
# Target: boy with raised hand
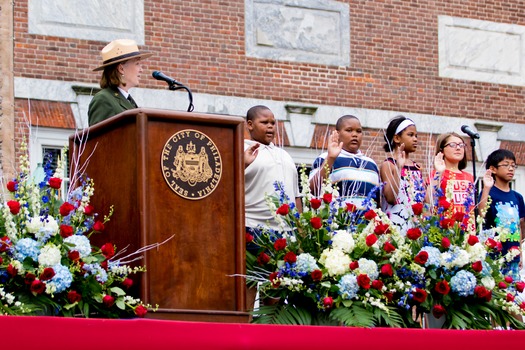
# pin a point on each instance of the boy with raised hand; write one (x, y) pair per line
(507, 208)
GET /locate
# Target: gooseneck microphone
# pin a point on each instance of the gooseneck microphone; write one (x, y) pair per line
(161, 76)
(467, 130)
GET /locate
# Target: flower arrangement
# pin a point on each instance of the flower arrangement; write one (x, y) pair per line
(333, 264)
(48, 265)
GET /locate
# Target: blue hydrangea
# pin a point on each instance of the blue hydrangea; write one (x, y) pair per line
(62, 279)
(80, 244)
(434, 256)
(463, 283)
(97, 271)
(306, 263)
(348, 286)
(26, 247)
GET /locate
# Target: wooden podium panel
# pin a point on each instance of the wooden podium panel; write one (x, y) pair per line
(190, 277)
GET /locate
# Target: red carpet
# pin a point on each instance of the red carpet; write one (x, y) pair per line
(44, 333)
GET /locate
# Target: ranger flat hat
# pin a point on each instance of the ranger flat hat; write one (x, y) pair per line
(120, 50)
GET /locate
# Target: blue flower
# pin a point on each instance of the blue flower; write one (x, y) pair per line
(434, 256)
(463, 283)
(26, 247)
(348, 286)
(62, 279)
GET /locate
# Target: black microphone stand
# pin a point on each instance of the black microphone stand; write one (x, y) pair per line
(177, 86)
(473, 149)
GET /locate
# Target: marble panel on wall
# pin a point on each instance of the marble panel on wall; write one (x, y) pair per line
(311, 31)
(481, 51)
(99, 20)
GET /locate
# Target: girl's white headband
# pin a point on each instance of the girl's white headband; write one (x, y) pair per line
(404, 124)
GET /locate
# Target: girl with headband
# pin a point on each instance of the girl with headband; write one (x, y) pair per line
(402, 177)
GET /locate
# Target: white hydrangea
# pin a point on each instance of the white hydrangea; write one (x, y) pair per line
(80, 244)
(49, 255)
(335, 261)
(368, 267)
(343, 240)
(43, 226)
(477, 252)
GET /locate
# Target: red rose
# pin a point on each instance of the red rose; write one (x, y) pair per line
(11, 270)
(363, 281)
(438, 311)
(317, 275)
(370, 214)
(66, 208)
(66, 231)
(442, 287)
(327, 198)
(108, 301)
(445, 242)
(472, 240)
(491, 243)
(509, 279)
(98, 226)
(477, 266)
(89, 210)
(14, 207)
(499, 246)
(522, 305)
(272, 278)
(263, 259)
(387, 270)
(73, 297)
(280, 244)
(37, 287)
(419, 295)
(389, 296)
(417, 208)
(108, 250)
(47, 274)
(381, 229)
(520, 286)
(509, 297)
(290, 257)
(283, 209)
(354, 265)
(328, 302)
(248, 237)
(446, 223)
(413, 233)
(350, 207)
(29, 278)
(421, 258)
(377, 284)
(388, 247)
(5, 243)
(316, 222)
(1, 260)
(502, 285)
(55, 182)
(443, 203)
(141, 311)
(104, 265)
(73, 255)
(127, 283)
(315, 203)
(371, 239)
(459, 216)
(12, 186)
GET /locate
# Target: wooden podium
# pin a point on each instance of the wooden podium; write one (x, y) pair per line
(174, 174)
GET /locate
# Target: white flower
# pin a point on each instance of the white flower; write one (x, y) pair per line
(80, 244)
(335, 261)
(368, 267)
(343, 240)
(49, 255)
(488, 282)
(477, 252)
(43, 226)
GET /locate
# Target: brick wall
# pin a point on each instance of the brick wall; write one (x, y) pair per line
(394, 58)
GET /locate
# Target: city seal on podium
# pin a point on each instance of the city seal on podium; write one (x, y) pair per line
(191, 164)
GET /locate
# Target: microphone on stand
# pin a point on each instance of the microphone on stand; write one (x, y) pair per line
(467, 130)
(161, 76)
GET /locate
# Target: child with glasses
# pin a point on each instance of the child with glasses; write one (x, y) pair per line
(451, 188)
(507, 209)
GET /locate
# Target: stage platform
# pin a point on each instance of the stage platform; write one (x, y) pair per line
(42, 333)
